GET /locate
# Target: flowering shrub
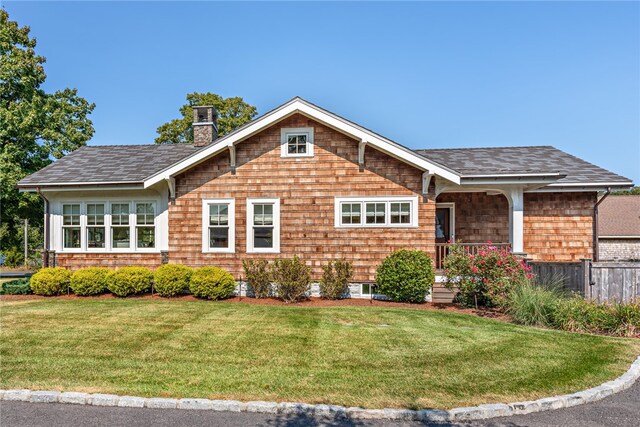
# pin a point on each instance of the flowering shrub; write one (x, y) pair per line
(486, 278)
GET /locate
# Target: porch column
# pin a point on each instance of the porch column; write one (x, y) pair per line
(516, 219)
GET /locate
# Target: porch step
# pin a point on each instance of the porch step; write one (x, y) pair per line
(442, 295)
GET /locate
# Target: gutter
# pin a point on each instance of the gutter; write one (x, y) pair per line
(47, 217)
(596, 246)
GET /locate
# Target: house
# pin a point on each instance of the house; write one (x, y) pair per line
(619, 228)
(300, 180)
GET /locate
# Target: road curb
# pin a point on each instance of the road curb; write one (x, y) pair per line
(471, 413)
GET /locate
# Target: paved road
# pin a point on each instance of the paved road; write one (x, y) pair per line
(620, 410)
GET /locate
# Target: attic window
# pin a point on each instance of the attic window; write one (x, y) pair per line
(296, 142)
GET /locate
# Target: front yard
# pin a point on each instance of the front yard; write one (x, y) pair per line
(355, 356)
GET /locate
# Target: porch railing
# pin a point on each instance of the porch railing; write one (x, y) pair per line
(442, 249)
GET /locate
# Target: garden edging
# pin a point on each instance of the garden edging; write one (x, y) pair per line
(333, 411)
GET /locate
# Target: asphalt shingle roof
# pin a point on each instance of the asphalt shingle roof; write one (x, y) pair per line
(521, 160)
(619, 216)
(110, 163)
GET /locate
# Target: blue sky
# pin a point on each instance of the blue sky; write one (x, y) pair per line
(428, 75)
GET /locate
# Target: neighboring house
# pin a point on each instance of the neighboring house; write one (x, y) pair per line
(619, 228)
(300, 180)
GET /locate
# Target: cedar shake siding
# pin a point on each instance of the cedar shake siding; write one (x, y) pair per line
(75, 261)
(479, 217)
(306, 187)
(558, 226)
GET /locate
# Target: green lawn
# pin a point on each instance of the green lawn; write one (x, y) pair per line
(355, 356)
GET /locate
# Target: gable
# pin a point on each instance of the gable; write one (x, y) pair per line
(299, 106)
(262, 168)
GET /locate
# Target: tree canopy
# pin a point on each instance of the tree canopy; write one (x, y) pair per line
(36, 127)
(232, 113)
(633, 191)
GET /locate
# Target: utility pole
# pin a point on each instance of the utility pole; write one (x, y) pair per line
(26, 242)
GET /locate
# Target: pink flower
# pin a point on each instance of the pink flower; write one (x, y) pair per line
(489, 242)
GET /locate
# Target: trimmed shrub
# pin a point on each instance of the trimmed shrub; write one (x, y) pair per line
(89, 281)
(405, 276)
(16, 287)
(50, 281)
(292, 278)
(127, 281)
(335, 279)
(212, 283)
(170, 280)
(258, 277)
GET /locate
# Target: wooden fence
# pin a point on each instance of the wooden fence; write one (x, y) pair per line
(600, 281)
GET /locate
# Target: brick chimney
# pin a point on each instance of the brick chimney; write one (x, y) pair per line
(205, 125)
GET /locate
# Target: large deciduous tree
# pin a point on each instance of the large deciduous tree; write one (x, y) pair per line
(232, 113)
(35, 126)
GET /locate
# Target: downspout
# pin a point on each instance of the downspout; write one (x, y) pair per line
(45, 261)
(596, 249)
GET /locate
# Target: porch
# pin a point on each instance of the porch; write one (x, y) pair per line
(471, 219)
(442, 249)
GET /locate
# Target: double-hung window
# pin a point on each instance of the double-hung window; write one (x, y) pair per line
(296, 142)
(145, 225)
(263, 225)
(218, 225)
(393, 211)
(95, 226)
(120, 230)
(71, 235)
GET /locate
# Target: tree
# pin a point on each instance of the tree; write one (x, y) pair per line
(232, 113)
(633, 191)
(36, 126)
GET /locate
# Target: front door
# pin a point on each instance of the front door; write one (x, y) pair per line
(443, 225)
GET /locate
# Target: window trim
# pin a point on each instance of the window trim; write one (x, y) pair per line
(285, 132)
(387, 200)
(276, 225)
(231, 249)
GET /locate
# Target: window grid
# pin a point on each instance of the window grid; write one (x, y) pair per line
(120, 230)
(351, 213)
(297, 144)
(71, 226)
(263, 226)
(145, 225)
(219, 225)
(95, 226)
(376, 213)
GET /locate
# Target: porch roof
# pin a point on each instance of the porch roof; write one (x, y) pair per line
(538, 160)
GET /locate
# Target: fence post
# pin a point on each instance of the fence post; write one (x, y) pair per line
(26, 242)
(587, 286)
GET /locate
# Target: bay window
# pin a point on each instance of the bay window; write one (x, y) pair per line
(103, 226)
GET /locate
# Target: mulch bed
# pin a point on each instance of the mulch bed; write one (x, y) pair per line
(310, 302)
